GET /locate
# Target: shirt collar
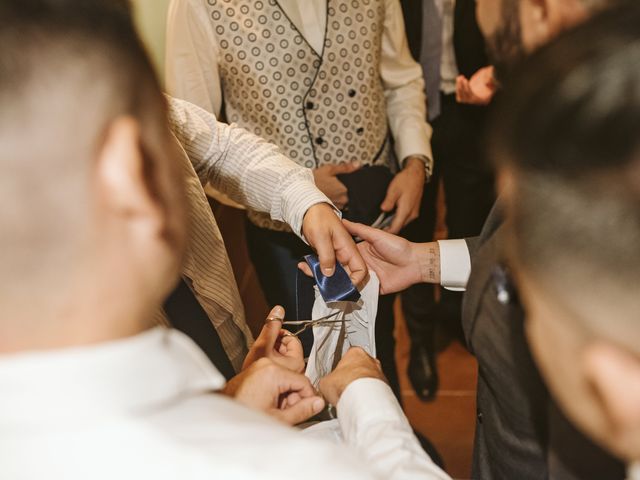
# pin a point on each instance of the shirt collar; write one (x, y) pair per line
(131, 375)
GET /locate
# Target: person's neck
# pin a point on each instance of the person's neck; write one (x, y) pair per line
(41, 332)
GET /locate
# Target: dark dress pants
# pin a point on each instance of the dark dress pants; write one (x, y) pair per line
(275, 256)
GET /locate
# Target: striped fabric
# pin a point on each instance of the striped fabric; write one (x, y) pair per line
(251, 172)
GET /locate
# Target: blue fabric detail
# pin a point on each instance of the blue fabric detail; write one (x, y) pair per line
(338, 287)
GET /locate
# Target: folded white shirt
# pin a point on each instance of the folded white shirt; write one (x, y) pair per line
(357, 329)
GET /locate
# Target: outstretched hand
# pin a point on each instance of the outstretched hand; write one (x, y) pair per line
(397, 262)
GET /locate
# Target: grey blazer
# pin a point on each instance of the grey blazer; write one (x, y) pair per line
(520, 434)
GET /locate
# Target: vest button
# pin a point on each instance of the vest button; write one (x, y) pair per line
(360, 131)
(319, 140)
(351, 92)
(309, 105)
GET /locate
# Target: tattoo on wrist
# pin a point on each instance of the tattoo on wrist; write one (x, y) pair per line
(432, 265)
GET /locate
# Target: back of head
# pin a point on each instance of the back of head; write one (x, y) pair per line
(566, 135)
(67, 70)
(568, 126)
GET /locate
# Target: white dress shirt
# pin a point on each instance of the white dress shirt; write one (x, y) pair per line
(143, 408)
(192, 65)
(243, 166)
(448, 65)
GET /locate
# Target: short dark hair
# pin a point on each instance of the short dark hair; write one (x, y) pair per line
(68, 68)
(568, 124)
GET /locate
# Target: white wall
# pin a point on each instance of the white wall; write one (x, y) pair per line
(151, 17)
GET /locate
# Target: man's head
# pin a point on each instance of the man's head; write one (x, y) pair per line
(90, 208)
(569, 142)
(514, 28)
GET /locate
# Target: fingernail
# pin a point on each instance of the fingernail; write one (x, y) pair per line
(277, 312)
(318, 405)
(327, 271)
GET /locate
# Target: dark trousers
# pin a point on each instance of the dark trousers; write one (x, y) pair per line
(275, 256)
(469, 194)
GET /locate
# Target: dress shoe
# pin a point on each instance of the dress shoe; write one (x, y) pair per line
(423, 372)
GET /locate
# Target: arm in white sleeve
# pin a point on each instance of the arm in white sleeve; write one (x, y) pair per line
(191, 63)
(372, 421)
(404, 89)
(455, 264)
(243, 166)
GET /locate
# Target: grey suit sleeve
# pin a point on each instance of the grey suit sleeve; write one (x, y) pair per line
(472, 244)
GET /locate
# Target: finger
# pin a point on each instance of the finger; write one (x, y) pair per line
(365, 232)
(290, 400)
(271, 329)
(304, 268)
(346, 168)
(399, 220)
(390, 200)
(301, 411)
(323, 244)
(349, 255)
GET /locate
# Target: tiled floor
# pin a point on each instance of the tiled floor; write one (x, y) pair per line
(448, 421)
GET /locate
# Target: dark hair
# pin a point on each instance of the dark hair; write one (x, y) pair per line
(574, 106)
(68, 68)
(34, 31)
(568, 124)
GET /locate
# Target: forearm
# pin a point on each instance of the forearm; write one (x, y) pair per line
(372, 421)
(243, 166)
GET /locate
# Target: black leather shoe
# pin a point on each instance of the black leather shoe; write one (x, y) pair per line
(423, 372)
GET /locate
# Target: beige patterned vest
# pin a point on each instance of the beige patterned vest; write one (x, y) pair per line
(319, 107)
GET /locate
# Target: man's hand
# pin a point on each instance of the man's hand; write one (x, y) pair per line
(397, 262)
(279, 392)
(478, 90)
(405, 193)
(276, 344)
(326, 234)
(326, 181)
(355, 364)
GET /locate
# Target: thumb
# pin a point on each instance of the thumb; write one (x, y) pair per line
(346, 168)
(301, 411)
(359, 230)
(271, 330)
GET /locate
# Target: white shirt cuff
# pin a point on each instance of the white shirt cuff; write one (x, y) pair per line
(455, 264)
(298, 198)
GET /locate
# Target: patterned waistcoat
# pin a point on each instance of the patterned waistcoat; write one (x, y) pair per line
(319, 107)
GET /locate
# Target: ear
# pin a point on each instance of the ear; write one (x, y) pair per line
(536, 22)
(506, 182)
(614, 375)
(121, 176)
